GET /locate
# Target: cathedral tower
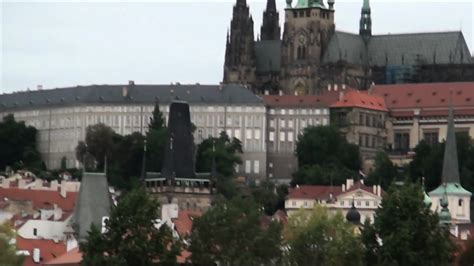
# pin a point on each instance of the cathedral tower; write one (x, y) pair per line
(365, 28)
(308, 28)
(239, 66)
(271, 27)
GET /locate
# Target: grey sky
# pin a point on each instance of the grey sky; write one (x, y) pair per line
(62, 43)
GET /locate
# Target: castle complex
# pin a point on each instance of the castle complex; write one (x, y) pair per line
(312, 55)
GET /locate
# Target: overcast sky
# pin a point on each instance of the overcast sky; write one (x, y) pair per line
(62, 43)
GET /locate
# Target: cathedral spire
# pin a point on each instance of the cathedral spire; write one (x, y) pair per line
(270, 27)
(450, 162)
(365, 28)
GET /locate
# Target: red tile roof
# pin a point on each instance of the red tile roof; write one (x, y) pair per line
(48, 249)
(41, 198)
(301, 101)
(184, 222)
(323, 192)
(431, 98)
(73, 257)
(360, 99)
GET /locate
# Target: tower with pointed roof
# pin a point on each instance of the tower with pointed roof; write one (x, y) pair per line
(308, 28)
(365, 28)
(450, 194)
(239, 66)
(270, 29)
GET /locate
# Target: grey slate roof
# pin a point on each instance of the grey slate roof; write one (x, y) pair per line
(94, 202)
(147, 94)
(400, 49)
(450, 163)
(268, 56)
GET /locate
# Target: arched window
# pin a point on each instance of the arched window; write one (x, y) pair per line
(460, 203)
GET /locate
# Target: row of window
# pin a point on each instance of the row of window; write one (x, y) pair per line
(308, 13)
(370, 141)
(371, 120)
(299, 111)
(290, 123)
(284, 136)
(248, 166)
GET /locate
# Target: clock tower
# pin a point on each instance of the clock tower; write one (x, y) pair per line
(309, 25)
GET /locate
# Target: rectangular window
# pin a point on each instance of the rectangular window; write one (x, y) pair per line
(282, 122)
(257, 134)
(272, 122)
(290, 136)
(367, 203)
(237, 134)
(35, 231)
(290, 123)
(247, 166)
(248, 134)
(342, 203)
(431, 138)
(402, 141)
(271, 136)
(282, 136)
(283, 111)
(256, 166)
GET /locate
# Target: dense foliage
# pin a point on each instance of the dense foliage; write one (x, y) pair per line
(132, 236)
(325, 157)
(318, 238)
(230, 233)
(18, 146)
(409, 230)
(384, 172)
(8, 254)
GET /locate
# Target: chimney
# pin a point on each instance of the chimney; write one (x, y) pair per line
(349, 183)
(329, 87)
(343, 187)
(266, 92)
(343, 86)
(39, 87)
(5, 183)
(296, 93)
(54, 185)
(379, 190)
(341, 96)
(125, 92)
(131, 83)
(374, 189)
(335, 87)
(36, 255)
(62, 189)
(21, 183)
(280, 92)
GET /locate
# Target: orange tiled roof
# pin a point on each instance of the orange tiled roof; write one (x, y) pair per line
(73, 257)
(48, 249)
(360, 99)
(431, 98)
(41, 198)
(184, 222)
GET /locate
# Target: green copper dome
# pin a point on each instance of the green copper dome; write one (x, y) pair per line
(309, 4)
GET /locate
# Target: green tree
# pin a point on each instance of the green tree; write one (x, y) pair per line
(99, 144)
(385, 171)
(325, 156)
(317, 238)
(156, 140)
(409, 230)
(18, 145)
(270, 196)
(8, 254)
(156, 120)
(225, 153)
(230, 233)
(131, 236)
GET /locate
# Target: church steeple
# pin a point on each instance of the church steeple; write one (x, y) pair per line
(365, 27)
(270, 27)
(450, 162)
(240, 54)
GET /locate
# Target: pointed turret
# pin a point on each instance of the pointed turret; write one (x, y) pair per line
(240, 54)
(365, 28)
(450, 162)
(444, 214)
(270, 27)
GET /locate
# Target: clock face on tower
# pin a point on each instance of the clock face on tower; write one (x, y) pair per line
(302, 38)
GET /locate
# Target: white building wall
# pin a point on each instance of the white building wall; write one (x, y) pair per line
(44, 229)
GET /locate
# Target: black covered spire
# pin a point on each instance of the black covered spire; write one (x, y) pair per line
(271, 27)
(365, 28)
(450, 162)
(353, 215)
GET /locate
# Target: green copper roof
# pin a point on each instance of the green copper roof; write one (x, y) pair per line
(451, 189)
(366, 6)
(309, 4)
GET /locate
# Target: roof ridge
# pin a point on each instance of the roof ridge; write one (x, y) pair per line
(416, 33)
